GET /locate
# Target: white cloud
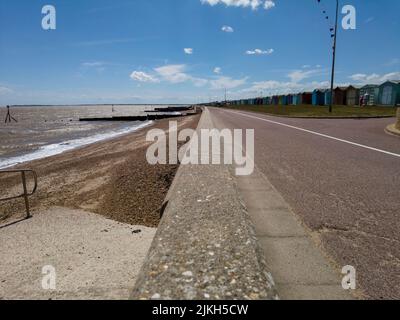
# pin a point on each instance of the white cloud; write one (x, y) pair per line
(92, 64)
(227, 83)
(269, 4)
(176, 73)
(5, 90)
(260, 52)
(89, 66)
(143, 77)
(227, 29)
(374, 78)
(188, 50)
(299, 75)
(173, 73)
(217, 70)
(271, 87)
(254, 4)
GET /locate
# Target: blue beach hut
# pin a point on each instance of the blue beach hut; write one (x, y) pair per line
(318, 97)
(327, 97)
(389, 93)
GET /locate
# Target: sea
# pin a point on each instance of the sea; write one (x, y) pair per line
(44, 131)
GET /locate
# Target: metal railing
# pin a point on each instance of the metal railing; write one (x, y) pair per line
(25, 193)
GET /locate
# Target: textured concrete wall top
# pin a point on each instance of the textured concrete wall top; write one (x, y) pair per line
(205, 247)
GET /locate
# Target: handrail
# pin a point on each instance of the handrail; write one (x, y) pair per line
(25, 193)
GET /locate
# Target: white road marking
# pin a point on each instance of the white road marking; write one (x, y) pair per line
(318, 134)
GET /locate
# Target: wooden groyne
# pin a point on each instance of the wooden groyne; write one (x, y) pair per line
(156, 114)
(135, 118)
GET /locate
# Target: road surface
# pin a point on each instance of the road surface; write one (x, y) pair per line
(342, 178)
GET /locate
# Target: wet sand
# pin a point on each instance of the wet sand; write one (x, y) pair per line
(111, 178)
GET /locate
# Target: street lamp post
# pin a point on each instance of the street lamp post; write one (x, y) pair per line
(334, 56)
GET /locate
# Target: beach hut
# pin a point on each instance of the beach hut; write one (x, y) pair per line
(296, 99)
(372, 92)
(352, 96)
(275, 100)
(266, 101)
(327, 97)
(389, 93)
(318, 97)
(306, 98)
(340, 96)
(289, 99)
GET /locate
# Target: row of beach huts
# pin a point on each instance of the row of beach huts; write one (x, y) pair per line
(386, 94)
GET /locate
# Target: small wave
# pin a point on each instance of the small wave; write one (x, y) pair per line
(61, 147)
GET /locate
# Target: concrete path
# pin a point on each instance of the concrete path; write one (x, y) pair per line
(342, 180)
(93, 257)
(298, 266)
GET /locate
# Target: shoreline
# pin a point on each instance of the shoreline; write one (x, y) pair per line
(53, 149)
(110, 177)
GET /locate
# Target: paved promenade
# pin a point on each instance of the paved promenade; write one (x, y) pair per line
(341, 180)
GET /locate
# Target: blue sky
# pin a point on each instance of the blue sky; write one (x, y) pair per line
(186, 51)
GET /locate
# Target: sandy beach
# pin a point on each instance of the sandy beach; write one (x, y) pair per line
(94, 218)
(111, 178)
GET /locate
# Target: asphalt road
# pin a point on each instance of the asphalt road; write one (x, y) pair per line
(342, 178)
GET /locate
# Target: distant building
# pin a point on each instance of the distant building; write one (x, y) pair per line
(352, 96)
(389, 93)
(371, 91)
(327, 97)
(275, 100)
(306, 98)
(318, 97)
(340, 96)
(297, 99)
(266, 101)
(289, 99)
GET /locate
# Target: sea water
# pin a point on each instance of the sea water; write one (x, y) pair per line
(43, 131)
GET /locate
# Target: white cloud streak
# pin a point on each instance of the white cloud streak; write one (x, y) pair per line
(227, 83)
(299, 75)
(177, 73)
(5, 90)
(227, 29)
(272, 87)
(253, 4)
(217, 70)
(260, 52)
(93, 64)
(143, 77)
(374, 78)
